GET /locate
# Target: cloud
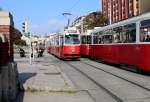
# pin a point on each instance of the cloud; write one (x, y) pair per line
(55, 22)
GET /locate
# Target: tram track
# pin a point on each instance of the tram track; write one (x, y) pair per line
(108, 72)
(115, 97)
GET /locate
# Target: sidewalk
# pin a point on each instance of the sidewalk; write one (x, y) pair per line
(44, 82)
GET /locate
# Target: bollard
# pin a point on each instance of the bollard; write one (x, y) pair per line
(5, 83)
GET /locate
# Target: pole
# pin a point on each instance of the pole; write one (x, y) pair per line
(110, 18)
(68, 22)
(30, 50)
(82, 26)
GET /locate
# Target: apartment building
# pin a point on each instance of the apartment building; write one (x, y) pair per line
(118, 10)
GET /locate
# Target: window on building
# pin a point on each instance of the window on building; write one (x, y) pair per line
(145, 31)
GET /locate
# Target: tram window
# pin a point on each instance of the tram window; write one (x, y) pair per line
(95, 39)
(88, 39)
(72, 39)
(83, 39)
(117, 34)
(61, 40)
(53, 41)
(116, 38)
(100, 37)
(57, 40)
(129, 33)
(107, 37)
(145, 31)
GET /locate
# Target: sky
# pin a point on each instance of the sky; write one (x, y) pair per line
(45, 16)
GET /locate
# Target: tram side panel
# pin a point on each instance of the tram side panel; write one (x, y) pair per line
(144, 57)
(129, 54)
(96, 52)
(48, 48)
(109, 53)
(57, 51)
(85, 44)
(53, 49)
(137, 55)
(85, 50)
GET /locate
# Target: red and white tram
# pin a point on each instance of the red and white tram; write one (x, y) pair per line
(48, 45)
(126, 43)
(66, 44)
(85, 44)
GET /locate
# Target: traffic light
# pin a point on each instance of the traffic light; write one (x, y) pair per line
(25, 27)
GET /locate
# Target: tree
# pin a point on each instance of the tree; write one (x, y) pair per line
(95, 19)
(20, 42)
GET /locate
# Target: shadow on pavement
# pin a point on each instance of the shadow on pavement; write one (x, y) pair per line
(23, 77)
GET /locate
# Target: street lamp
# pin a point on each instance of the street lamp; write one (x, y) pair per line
(65, 15)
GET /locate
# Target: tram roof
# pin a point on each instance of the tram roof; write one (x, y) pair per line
(124, 22)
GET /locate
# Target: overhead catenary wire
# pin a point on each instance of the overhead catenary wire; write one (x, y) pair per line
(74, 5)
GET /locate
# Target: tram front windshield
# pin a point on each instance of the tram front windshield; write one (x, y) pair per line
(72, 39)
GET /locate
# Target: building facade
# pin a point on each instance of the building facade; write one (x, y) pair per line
(7, 29)
(118, 10)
